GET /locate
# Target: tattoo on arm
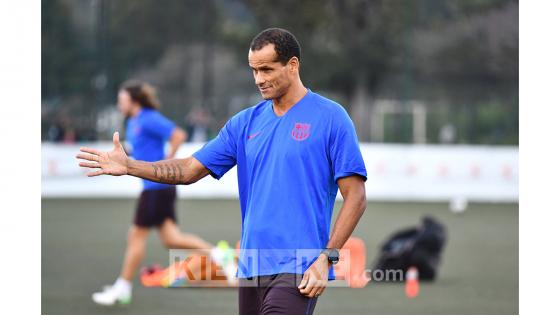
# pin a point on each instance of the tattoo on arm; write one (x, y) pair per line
(155, 167)
(180, 173)
(168, 172)
(175, 175)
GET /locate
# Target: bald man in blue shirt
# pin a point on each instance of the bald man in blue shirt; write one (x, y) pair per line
(293, 152)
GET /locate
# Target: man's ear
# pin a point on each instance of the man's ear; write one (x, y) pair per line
(293, 63)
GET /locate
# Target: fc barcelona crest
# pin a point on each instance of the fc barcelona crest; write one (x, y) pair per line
(301, 131)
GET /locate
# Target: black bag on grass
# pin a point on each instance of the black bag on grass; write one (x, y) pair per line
(420, 246)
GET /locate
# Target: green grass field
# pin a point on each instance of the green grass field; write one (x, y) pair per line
(83, 241)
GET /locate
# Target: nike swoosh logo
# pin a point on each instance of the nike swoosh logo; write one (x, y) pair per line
(253, 135)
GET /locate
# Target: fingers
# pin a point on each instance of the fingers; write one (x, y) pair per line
(310, 286)
(96, 173)
(88, 157)
(314, 288)
(116, 141)
(304, 281)
(90, 150)
(307, 283)
(90, 165)
(307, 289)
(313, 292)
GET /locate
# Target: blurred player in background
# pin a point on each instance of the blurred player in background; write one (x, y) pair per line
(148, 131)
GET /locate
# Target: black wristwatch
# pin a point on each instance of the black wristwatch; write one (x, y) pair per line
(332, 255)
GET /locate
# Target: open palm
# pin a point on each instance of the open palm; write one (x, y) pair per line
(108, 163)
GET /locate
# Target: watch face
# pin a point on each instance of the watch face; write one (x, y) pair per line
(333, 256)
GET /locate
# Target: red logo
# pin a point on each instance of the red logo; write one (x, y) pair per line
(249, 137)
(301, 131)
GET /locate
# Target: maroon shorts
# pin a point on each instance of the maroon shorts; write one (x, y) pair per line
(274, 294)
(154, 206)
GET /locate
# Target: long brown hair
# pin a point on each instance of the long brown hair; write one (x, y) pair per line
(143, 93)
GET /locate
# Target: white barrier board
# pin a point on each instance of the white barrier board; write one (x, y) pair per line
(395, 172)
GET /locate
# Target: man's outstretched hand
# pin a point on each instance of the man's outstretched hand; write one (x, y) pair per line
(108, 163)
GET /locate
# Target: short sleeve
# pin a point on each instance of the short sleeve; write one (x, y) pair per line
(345, 155)
(219, 155)
(159, 125)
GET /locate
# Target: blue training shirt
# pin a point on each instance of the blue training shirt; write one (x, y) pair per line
(147, 133)
(287, 169)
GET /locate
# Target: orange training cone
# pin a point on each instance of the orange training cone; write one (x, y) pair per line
(352, 263)
(412, 286)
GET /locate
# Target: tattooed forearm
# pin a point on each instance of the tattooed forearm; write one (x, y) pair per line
(176, 171)
(168, 172)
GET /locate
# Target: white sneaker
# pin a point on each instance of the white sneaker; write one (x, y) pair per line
(230, 270)
(111, 296)
(224, 256)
